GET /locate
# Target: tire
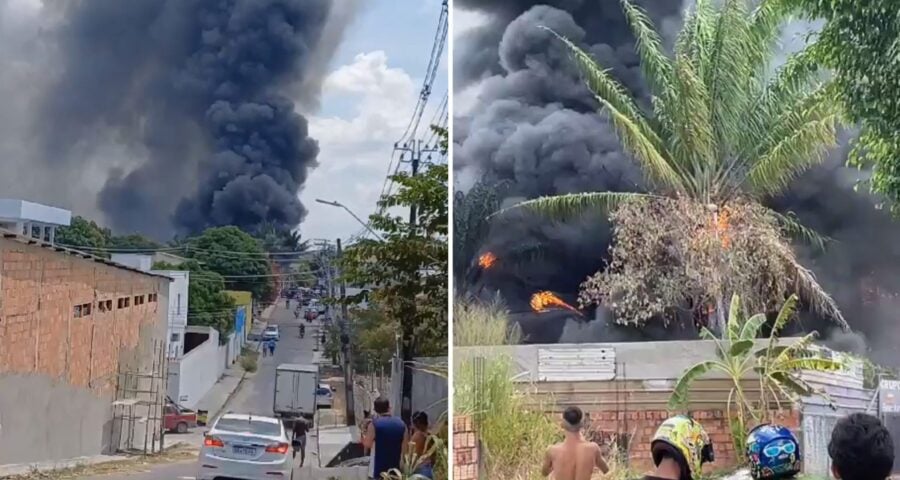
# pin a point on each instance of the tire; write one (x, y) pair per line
(181, 427)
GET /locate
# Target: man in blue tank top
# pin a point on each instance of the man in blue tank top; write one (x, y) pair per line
(389, 437)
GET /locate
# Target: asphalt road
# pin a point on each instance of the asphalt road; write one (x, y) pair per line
(254, 396)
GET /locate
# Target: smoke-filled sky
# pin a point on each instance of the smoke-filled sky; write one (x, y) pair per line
(167, 116)
(522, 115)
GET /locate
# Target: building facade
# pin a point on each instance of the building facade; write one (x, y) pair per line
(70, 325)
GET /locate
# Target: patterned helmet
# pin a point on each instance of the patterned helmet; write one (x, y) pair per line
(773, 452)
(685, 438)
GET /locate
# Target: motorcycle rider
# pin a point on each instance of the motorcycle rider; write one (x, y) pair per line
(680, 448)
(773, 452)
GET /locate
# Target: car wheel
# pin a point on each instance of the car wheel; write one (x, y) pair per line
(181, 427)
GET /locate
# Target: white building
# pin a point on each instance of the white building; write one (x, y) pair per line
(32, 219)
(177, 310)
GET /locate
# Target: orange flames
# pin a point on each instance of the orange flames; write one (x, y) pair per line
(720, 225)
(487, 260)
(541, 301)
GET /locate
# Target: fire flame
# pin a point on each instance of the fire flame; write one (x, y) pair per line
(487, 260)
(720, 225)
(541, 301)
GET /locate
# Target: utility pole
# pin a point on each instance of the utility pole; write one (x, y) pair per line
(346, 348)
(407, 348)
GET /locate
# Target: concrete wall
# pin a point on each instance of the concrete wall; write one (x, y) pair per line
(429, 390)
(177, 310)
(244, 299)
(139, 261)
(58, 369)
(192, 376)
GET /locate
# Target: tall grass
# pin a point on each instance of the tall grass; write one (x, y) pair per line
(513, 428)
(482, 324)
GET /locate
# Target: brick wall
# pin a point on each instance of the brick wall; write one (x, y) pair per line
(40, 332)
(465, 449)
(604, 426)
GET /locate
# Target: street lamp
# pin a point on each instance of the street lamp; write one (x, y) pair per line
(341, 205)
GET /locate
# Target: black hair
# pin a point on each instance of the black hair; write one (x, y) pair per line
(420, 419)
(861, 448)
(382, 405)
(573, 416)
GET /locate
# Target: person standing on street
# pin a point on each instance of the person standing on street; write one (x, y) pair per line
(271, 345)
(387, 436)
(299, 441)
(574, 458)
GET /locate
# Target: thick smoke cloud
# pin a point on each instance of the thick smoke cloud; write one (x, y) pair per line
(535, 126)
(198, 91)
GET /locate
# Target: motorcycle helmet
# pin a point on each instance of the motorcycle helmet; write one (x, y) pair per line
(773, 452)
(685, 439)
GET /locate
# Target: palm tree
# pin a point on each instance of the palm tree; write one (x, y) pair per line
(776, 365)
(721, 135)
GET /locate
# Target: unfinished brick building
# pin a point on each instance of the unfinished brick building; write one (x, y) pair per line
(69, 323)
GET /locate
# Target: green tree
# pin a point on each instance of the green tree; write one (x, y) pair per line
(236, 255)
(208, 304)
(406, 267)
(133, 242)
(858, 43)
(723, 135)
(471, 225)
(776, 366)
(82, 233)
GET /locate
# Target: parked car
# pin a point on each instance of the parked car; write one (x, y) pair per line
(324, 396)
(179, 419)
(272, 332)
(246, 446)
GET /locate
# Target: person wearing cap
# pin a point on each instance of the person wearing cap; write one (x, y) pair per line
(679, 448)
(574, 458)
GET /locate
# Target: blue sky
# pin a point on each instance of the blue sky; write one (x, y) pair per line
(373, 84)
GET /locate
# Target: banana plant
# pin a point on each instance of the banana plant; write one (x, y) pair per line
(776, 365)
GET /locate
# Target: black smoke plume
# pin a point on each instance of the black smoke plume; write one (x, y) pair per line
(535, 126)
(199, 89)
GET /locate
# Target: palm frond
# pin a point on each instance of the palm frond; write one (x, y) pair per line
(567, 206)
(638, 137)
(804, 147)
(819, 300)
(693, 141)
(797, 230)
(656, 66)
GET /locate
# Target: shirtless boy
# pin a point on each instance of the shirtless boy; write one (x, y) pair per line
(574, 458)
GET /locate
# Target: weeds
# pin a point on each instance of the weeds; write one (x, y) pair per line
(477, 324)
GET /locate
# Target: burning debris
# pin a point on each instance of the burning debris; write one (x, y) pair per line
(542, 301)
(487, 260)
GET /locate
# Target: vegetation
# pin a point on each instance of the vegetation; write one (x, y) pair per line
(858, 44)
(723, 134)
(230, 252)
(87, 233)
(406, 267)
(776, 367)
(480, 324)
(513, 429)
(470, 223)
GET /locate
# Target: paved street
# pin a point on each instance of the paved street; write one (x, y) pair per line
(254, 396)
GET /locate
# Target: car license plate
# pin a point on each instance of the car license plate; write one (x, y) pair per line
(240, 450)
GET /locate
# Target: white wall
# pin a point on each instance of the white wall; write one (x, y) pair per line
(134, 260)
(196, 373)
(177, 310)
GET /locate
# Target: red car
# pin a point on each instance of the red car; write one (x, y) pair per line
(178, 419)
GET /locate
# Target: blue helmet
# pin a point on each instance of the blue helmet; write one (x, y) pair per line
(773, 452)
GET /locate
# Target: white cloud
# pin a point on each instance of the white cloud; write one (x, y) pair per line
(355, 151)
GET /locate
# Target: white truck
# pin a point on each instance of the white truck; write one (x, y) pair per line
(295, 391)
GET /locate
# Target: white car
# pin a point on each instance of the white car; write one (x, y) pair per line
(248, 447)
(324, 396)
(272, 332)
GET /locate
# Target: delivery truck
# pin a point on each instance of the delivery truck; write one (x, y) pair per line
(295, 392)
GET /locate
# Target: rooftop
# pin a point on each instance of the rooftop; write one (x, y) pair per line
(10, 235)
(13, 210)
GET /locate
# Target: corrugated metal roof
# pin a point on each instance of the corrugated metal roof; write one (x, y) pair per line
(576, 364)
(9, 235)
